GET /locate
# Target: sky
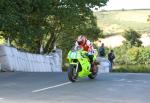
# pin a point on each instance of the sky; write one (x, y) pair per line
(127, 4)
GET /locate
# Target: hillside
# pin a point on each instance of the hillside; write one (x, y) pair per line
(110, 41)
(114, 22)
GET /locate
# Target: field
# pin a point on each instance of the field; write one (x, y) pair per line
(115, 22)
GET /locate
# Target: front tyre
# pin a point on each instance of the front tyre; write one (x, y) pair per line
(72, 75)
(94, 71)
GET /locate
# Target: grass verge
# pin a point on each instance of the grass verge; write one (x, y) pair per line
(132, 68)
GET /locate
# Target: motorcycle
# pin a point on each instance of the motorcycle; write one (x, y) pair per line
(80, 65)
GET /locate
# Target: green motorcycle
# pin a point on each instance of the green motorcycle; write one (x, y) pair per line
(80, 66)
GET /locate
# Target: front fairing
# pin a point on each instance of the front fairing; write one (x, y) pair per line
(79, 56)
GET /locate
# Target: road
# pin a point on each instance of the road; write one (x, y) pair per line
(19, 87)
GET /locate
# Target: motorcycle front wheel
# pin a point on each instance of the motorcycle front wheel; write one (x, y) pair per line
(72, 75)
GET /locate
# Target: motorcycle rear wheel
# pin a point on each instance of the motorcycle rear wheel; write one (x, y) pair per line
(94, 71)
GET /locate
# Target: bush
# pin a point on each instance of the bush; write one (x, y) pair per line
(134, 55)
(133, 37)
(120, 54)
(144, 56)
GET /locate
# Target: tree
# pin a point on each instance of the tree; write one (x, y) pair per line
(132, 38)
(30, 24)
(148, 19)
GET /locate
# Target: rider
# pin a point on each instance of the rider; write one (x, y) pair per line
(84, 43)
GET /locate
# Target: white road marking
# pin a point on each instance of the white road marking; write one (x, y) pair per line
(51, 87)
(120, 80)
(129, 81)
(1, 98)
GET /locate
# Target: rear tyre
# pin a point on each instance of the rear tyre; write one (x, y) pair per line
(72, 75)
(94, 71)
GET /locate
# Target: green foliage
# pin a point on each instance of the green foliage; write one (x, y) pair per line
(121, 54)
(30, 24)
(134, 55)
(144, 55)
(2, 40)
(130, 52)
(133, 37)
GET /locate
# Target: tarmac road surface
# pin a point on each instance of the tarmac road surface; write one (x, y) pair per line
(20, 87)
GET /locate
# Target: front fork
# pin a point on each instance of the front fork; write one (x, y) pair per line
(76, 69)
